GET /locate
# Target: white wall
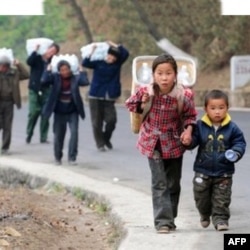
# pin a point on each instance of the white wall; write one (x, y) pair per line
(235, 7)
(21, 7)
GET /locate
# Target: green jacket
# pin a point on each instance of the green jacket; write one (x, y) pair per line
(13, 76)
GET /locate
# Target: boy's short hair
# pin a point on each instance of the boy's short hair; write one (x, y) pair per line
(216, 94)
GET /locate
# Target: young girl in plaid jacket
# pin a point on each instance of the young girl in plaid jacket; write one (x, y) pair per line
(163, 134)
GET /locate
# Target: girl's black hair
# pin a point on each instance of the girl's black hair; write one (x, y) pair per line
(164, 58)
(63, 63)
(216, 94)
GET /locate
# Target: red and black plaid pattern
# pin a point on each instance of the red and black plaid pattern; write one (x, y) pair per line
(163, 123)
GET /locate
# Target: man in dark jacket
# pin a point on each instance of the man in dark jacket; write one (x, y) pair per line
(37, 93)
(104, 90)
(9, 95)
(66, 103)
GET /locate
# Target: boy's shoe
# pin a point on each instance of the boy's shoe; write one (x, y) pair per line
(28, 139)
(222, 226)
(109, 145)
(58, 162)
(5, 152)
(163, 230)
(205, 222)
(101, 149)
(73, 162)
(44, 141)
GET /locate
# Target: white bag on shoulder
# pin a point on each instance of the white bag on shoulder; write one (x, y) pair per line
(7, 53)
(100, 52)
(44, 44)
(71, 59)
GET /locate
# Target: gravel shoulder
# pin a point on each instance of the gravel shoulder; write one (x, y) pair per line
(52, 220)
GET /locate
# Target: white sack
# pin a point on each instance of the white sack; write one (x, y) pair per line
(100, 52)
(32, 43)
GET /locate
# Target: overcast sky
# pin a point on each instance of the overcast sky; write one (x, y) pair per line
(21, 7)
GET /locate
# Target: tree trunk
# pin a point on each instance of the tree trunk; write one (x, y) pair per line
(162, 42)
(82, 20)
(144, 17)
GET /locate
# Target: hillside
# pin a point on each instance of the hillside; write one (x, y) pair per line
(195, 26)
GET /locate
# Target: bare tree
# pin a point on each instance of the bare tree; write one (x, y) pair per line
(82, 20)
(161, 41)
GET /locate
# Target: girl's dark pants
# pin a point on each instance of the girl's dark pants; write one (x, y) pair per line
(60, 126)
(166, 177)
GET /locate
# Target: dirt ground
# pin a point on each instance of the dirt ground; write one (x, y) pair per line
(42, 220)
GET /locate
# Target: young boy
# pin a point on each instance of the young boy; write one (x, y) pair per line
(216, 136)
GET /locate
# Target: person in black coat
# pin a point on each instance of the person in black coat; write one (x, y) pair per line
(37, 93)
(66, 103)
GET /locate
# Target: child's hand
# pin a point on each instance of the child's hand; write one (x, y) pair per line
(145, 98)
(186, 138)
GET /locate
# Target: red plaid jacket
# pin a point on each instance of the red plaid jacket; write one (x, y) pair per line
(163, 123)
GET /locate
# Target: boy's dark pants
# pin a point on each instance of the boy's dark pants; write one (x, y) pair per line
(36, 103)
(212, 197)
(102, 111)
(60, 126)
(166, 177)
(6, 118)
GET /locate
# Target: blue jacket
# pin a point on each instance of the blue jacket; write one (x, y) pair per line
(210, 159)
(54, 79)
(37, 67)
(106, 77)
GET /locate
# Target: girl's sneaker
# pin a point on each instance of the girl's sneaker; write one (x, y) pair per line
(58, 162)
(163, 230)
(73, 162)
(221, 226)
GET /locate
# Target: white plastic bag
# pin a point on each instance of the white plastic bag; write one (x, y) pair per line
(44, 44)
(71, 59)
(144, 74)
(183, 77)
(8, 53)
(100, 52)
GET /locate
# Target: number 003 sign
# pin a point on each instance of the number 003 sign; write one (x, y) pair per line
(240, 71)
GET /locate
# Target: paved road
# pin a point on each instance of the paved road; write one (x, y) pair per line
(125, 163)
